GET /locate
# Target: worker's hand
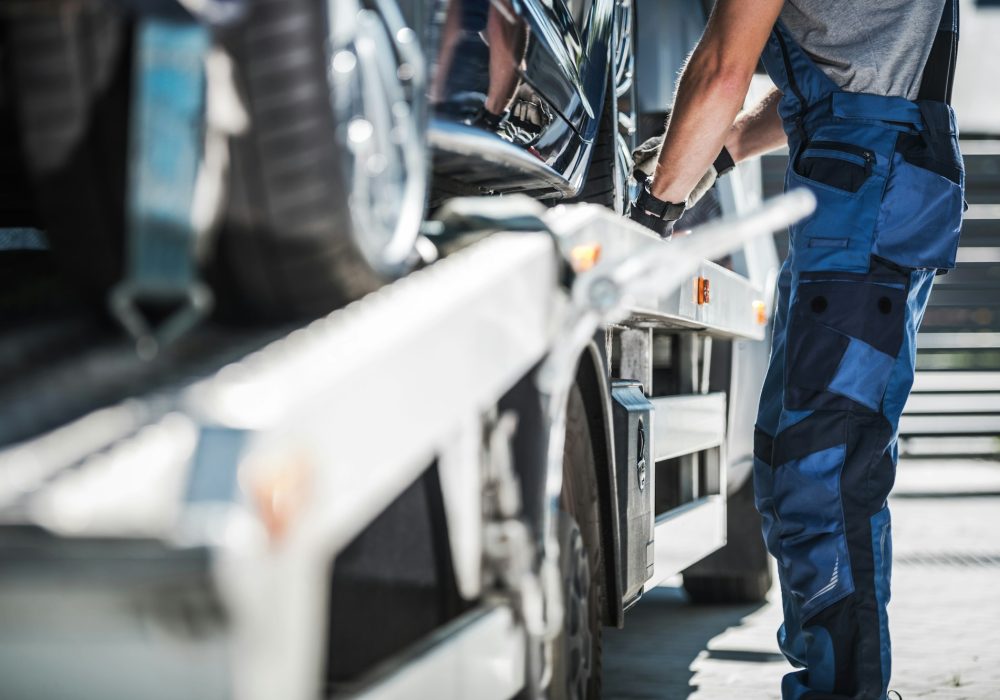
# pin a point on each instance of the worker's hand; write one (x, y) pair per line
(655, 214)
(646, 156)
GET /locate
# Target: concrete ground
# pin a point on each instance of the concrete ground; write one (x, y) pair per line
(944, 614)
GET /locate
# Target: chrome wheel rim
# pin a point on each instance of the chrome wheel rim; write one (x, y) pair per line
(376, 77)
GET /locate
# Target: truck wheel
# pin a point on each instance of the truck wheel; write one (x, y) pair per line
(611, 159)
(740, 572)
(577, 651)
(68, 75)
(604, 183)
(328, 185)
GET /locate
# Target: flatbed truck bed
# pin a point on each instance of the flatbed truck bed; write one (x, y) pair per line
(197, 507)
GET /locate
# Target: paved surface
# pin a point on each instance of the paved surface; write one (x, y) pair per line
(944, 615)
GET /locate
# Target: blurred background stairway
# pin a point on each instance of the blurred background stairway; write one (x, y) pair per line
(955, 406)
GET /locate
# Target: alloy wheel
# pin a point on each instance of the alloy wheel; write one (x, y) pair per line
(376, 75)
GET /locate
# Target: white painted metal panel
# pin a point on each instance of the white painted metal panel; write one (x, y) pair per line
(978, 255)
(956, 381)
(365, 399)
(953, 403)
(481, 656)
(958, 341)
(731, 314)
(687, 535)
(425, 354)
(686, 424)
(949, 425)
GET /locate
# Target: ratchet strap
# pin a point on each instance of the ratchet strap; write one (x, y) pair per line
(939, 71)
(166, 146)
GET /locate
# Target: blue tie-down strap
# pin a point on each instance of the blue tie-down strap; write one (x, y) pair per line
(167, 142)
(23, 239)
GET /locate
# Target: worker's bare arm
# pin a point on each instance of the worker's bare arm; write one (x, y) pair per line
(711, 92)
(757, 130)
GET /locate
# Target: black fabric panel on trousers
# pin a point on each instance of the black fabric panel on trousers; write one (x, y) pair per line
(863, 492)
(867, 310)
(929, 154)
(853, 623)
(798, 398)
(814, 352)
(833, 172)
(819, 431)
(763, 446)
(939, 70)
(881, 270)
(841, 621)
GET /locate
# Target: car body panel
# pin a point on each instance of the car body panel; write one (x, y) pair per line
(541, 64)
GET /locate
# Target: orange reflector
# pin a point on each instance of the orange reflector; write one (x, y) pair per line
(280, 489)
(584, 257)
(702, 291)
(760, 312)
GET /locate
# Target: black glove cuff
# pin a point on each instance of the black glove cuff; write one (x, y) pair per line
(666, 211)
(723, 162)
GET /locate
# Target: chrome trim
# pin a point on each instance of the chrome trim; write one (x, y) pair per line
(471, 142)
(553, 26)
(377, 79)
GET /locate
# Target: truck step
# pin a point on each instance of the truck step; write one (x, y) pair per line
(958, 424)
(684, 425)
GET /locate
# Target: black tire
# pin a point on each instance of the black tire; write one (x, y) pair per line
(577, 651)
(740, 572)
(286, 246)
(604, 184)
(69, 77)
(599, 185)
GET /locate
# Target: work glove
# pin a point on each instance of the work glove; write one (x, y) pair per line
(646, 156)
(655, 214)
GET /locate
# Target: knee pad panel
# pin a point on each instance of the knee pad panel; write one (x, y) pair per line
(844, 335)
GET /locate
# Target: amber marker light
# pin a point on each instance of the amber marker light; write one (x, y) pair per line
(703, 291)
(583, 257)
(760, 312)
(279, 488)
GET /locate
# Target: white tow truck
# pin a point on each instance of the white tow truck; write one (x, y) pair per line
(443, 490)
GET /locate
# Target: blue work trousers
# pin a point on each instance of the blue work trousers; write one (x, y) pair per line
(889, 182)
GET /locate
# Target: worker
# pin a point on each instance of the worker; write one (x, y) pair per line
(861, 101)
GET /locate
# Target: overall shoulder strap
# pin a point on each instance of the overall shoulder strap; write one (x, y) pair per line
(939, 71)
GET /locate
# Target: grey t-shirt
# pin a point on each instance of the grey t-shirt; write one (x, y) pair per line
(876, 46)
